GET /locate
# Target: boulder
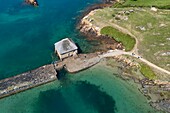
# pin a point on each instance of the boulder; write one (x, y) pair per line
(32, 2)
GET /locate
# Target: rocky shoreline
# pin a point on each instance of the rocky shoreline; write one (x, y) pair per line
(156, 91)
(105, 3)
(92, 32)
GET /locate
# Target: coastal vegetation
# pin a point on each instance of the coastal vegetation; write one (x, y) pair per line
(163, 4)
(125, 39)
(148, 22)
(151, 29)
(152, 32)
(147, 71)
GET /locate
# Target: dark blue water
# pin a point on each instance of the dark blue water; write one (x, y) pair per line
(27, 34)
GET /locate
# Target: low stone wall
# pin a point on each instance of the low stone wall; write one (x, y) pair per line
(27, 80)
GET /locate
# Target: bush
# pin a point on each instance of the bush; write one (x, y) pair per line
(127, 41)
(147, 71)
(113, 15)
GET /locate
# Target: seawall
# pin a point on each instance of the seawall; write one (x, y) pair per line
(27, 80)
(46, 73)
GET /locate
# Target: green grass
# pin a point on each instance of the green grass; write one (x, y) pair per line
(163, 4)
(152, 42)
(125, 39)
(147, 71)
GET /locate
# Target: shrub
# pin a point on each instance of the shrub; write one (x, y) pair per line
(147, 71)
(127, 41)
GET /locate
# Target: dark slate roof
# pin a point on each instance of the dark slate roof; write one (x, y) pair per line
(64, 46)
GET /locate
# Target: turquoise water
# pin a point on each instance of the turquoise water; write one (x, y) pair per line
(96, 90)
(27, 35)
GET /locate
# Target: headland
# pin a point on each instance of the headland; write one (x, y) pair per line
(121, 23)
(128, 62)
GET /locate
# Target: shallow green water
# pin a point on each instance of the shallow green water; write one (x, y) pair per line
(96, 90)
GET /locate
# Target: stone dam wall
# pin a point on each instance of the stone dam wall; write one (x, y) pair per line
(27, 80)
(46, 73)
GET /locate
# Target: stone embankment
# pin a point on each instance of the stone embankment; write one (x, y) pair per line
(27, 80)
(46, 73)
(78, 63)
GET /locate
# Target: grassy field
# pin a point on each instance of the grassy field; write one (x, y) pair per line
(147, 71)
(164, 4)
(152, 30)
(125, 39)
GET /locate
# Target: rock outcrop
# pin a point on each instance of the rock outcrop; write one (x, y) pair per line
(32, 2)
(92, 32)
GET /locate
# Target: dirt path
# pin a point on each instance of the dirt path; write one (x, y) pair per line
(120, 52)
(123, 30)
(135, 50)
